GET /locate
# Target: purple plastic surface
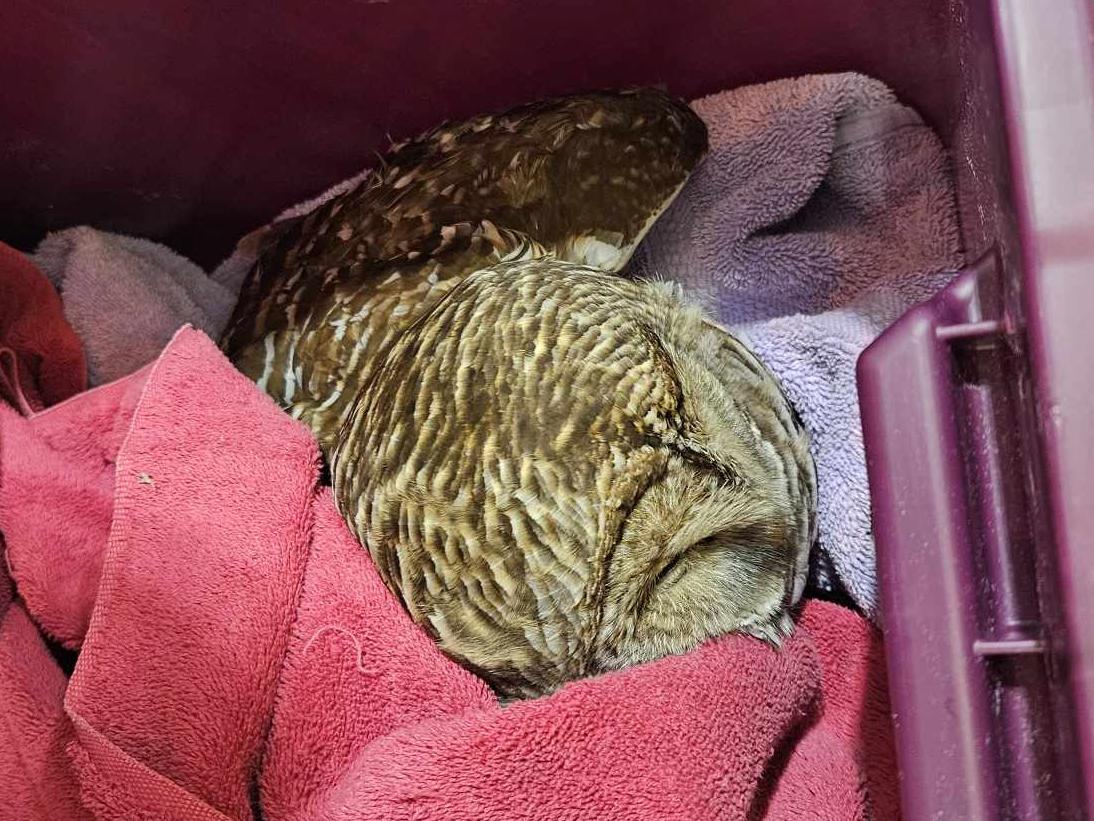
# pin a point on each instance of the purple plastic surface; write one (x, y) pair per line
(969, 681)
(938, 685)
(1048, 86)
(978, 412)
(168, 121)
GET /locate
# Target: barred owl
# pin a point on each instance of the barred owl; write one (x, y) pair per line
(563, 472)
(559, 471)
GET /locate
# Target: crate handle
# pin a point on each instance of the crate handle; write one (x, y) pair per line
(939, 688)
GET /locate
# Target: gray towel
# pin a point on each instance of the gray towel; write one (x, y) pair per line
(125, 297)
(824, 211)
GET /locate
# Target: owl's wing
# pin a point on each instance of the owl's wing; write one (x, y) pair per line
(584, 175)
(579, 178)
(285, 275)
(307, 336)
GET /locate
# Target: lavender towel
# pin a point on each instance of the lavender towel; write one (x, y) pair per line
(824, 211)
(125, 297)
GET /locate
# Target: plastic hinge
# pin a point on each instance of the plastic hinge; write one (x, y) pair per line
(1018, 639)
(962, 618)
(1008, 647)
(970, 330)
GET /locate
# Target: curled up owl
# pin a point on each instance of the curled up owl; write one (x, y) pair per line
(560, 471)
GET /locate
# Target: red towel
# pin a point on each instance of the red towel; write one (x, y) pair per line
(239, 652)
(41, 358)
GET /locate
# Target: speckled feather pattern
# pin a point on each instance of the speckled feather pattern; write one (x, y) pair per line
(534, 464)
(559, 471)
(581, 178)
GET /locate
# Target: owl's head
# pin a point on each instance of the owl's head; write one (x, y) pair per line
(719, 540)
(562, 473)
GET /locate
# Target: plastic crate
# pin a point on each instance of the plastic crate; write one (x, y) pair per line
(191, 124)
(977, 410)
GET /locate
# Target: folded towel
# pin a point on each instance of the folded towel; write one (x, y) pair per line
(240, 654)
(824, 210)
(126, 297)
(41, 358)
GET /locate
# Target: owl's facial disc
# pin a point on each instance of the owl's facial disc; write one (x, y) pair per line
(698, 558)
(720, 542)
(561, 472)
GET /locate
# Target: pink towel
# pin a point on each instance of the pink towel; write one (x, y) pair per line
(239, 653)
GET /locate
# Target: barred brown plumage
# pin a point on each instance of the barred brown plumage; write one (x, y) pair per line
(559, 471)
(563, 472)
(580, 177)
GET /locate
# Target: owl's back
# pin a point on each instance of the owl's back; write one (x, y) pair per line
(581, 178)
